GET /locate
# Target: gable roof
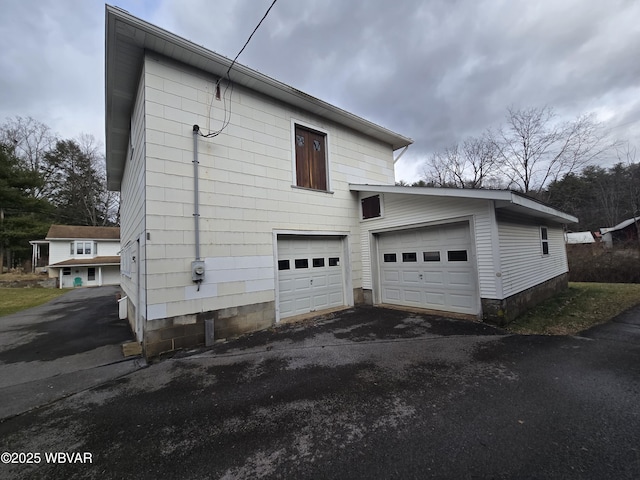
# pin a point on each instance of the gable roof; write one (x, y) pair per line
(504, 199)
(128, 37)
(72, 232)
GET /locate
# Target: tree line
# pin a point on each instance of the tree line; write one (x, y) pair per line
(45, 179)
(554, 161)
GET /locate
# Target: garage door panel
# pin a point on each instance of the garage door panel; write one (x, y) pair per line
(412, 296)
(463, 279)
(411, 276)
(391, 276)
(462, 301)
(437, 278)
(434, 299)
(335, 279)
(434, 279)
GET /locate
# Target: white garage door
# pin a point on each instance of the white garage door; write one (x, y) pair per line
(429, 268)
(310, 276)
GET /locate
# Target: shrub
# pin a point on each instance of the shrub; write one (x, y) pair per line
(593, 263)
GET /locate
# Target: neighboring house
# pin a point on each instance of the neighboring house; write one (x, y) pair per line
(579, 238)
(623, 234)
(82, 256)
(291, 208)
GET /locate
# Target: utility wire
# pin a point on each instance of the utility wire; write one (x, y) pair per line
(226, 120)
(251, 36)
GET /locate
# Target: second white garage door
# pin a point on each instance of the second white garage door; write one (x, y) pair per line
(310, 274)
(429, 268)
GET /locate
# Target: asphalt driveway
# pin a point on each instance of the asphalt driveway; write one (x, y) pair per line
(62, 347)
(367, 393)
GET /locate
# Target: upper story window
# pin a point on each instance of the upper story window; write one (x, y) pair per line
(83, 248)
(371, 207)
(544, 239)
(311, 158)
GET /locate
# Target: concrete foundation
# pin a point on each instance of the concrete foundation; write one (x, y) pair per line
(503, 312)
(187, 331)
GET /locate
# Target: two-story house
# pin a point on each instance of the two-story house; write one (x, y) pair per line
(81, 256)
(245, 201)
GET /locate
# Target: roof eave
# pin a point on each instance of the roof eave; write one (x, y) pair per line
(504, 199)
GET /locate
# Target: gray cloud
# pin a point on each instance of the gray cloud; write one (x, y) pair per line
(437, 70)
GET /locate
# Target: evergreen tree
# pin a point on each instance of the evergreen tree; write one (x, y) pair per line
(23, 217)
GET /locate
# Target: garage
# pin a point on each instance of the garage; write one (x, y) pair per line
(310, 274)
(429, 267)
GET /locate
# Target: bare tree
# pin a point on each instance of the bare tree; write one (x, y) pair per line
(536, 150)
(471, 164)
(31, 140)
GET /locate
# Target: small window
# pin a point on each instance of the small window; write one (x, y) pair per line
(371, 207)
(302, 263)
(544, 239)
(283, 265)
(79, 248)
(431, 256)
(457, 255)
(334, 261)
(390, 258)
(66, 271)
(410, 257)
(87, 248)
(91, 273)
(311, 158)
(318, 262)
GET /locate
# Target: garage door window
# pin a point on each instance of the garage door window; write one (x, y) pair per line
(302, 263)
(410, 257)
(431, 256)
(390, 258)
(283, 265)
(334, 262)
(318, 262)
(457, 255)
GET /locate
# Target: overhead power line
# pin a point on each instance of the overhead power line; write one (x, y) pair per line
(226, 120)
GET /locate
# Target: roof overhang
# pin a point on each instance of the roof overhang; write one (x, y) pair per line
(88, 262)
(127, 39)
(504, 199)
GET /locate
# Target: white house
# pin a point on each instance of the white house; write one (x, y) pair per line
(81, 256)
(246, 205)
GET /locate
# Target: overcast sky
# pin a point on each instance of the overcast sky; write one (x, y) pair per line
(434, 70)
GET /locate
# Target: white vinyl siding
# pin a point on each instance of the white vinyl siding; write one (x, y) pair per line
(523, 263)
(414, 210)
(133, 205)
(245, 186)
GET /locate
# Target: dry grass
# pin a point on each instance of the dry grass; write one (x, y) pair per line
(13, 300)
(19, 277)
(581, 306)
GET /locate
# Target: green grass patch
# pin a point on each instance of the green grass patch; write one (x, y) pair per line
(13, 300)
(577, 308)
